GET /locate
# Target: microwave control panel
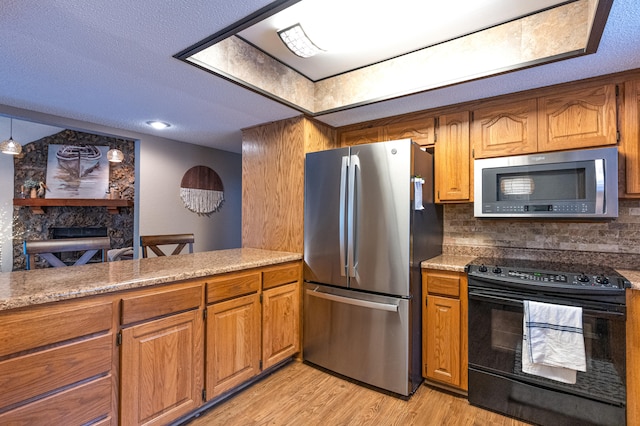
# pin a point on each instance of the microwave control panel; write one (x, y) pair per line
(560, 208)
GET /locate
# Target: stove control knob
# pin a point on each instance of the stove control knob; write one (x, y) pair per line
(497, 270)
(583, 278)
(601, 279)
(482, 268)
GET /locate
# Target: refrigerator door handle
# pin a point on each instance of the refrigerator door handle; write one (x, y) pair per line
(354, 165)
(355, 302)
(342, 219)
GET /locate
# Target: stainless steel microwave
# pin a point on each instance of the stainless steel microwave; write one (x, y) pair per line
(566, 184)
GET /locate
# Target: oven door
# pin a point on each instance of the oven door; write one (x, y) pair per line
(496, 380)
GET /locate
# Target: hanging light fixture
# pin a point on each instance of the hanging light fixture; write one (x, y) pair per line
(298, 42)
(115, 155)
(10, 146)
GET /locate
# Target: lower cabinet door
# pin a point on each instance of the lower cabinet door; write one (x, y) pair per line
(280, 323)
(233, 343)
(161, 369)
(443, 340)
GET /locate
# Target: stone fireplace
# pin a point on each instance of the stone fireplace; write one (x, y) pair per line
(67, 221)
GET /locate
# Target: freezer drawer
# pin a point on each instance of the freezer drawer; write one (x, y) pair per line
(359, 335)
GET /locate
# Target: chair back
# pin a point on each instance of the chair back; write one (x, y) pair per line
(151, 242)
(46, 249)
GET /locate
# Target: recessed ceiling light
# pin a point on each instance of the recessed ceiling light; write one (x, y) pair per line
(158, 124)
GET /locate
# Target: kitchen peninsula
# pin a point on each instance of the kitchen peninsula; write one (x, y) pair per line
(135, 341)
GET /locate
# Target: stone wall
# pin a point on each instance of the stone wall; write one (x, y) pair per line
(33, 164)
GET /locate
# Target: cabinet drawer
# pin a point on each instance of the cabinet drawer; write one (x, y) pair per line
(279, 275)
(160, 302)
(44, 325)
(37, 373)
(443, 283)
(75, 406)
(232, 285)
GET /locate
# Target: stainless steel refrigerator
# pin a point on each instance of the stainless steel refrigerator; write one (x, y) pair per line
(368, 223)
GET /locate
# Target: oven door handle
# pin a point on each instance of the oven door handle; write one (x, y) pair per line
(492, 298)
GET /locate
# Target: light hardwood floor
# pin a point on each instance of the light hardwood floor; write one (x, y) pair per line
(298, 394)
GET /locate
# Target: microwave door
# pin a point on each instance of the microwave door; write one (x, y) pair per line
(563, 185)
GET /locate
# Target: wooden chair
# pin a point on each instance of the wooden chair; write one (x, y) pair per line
(46, 248)
(153, 241)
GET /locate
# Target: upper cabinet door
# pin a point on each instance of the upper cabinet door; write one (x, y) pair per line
(421, 130)
(577, 119)
(452, 160)
(630, 144)
(361, 136)
(505, 129)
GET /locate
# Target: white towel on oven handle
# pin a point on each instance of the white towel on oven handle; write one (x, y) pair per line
(553, 341)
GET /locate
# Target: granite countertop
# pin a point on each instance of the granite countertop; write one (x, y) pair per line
(632, 275)
(449, 262)
(24, 288)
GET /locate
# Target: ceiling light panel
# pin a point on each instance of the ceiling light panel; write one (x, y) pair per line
(297, 41)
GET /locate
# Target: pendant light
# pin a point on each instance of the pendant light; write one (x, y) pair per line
(10, 146)
(115, 155)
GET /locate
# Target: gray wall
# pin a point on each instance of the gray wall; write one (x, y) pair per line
(160, 165)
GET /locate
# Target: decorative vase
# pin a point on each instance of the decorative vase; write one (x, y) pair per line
(34, 193)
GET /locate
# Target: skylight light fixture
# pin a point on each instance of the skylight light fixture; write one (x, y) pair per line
(297, 41)
(10, 146)
(158, 124)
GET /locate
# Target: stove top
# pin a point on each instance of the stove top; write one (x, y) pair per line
(576, 278)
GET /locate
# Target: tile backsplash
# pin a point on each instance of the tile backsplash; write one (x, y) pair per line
(614, 242)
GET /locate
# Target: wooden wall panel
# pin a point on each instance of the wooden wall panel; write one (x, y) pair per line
(273, 181)
(319, 137)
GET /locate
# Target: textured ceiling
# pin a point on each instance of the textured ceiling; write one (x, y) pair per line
(111, 63)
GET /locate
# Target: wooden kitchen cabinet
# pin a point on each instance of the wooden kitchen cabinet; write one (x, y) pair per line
(419, 128)
(253, 323)
(444, 329)
(505, 128)
(453, 166)
(161, 354)
(233, 331)
(280, 323)
(361, 136)
(630, 143)
(578, 118)
(582, 117)
(281, 313)
(56, 363)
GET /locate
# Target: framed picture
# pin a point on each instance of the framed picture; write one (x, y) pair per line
(77, 171)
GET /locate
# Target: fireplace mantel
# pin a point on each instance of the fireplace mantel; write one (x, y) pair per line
(37, 205)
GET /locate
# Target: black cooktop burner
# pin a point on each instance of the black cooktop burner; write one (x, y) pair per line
(577, 278)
